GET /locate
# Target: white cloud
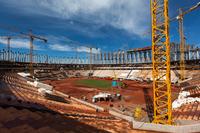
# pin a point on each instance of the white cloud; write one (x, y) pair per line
(20, 43)
(58, 47)
(86, 49)
(130, 15)
(67, 48)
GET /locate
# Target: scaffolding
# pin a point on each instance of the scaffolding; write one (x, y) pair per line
(161, 62)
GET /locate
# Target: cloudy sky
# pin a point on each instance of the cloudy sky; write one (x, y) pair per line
(72, 25)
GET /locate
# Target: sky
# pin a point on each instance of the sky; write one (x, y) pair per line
(74, 25)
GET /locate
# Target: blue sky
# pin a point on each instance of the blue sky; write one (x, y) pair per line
(71, 25)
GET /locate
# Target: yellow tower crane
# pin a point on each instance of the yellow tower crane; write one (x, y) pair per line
(182, 41)
(161, 62)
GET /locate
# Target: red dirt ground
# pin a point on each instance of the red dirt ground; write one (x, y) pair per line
(136, 94)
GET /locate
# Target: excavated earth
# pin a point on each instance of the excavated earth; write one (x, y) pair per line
(135, 94)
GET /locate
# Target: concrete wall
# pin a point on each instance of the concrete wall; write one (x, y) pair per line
(142, 125)
(119, 115)
(81, 101)
(166, 128)
(157, 127)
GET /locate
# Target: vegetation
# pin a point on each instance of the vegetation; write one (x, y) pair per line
(93, 83)
(101, 84)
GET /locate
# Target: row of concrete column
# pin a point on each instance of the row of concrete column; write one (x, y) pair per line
(122, 57)
(24, 57)
(119, 57)
(189, 55)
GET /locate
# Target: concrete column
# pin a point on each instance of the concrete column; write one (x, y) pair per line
(66, 60)
(24, 57)
(100, 58)
(82, 60)
(37, 58)
(4, 54)
(101, 62)
(18, 56)
(134, 60)
(112, 58)
(147, 57)
(198, 54)
(0, 55)
(14, 56)
(189, 54)
(175, 55)
(97, 60)
(138, 57)
(105, 58)
(34, 58)
(40, 58)
(109, 58)
(94, 58)
(116, 58)
(85, 60)
(127, 58)
(119, 57)
(143, 54)
(122, 57)
(131, 58)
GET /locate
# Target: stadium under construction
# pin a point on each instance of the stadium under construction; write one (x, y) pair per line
(145, 89)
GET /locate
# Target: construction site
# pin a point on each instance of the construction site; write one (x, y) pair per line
(155, 88)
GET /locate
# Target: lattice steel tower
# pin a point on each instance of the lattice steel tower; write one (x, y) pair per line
(161, 62)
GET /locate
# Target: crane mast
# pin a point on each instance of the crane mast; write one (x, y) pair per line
(161, 62)
(32, 37)
(182, 41)
(182, 46)
(9, 38)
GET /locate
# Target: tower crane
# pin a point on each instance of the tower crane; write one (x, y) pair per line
(90, 48)
(161, 62)
(182, 37)
(32, 37)
(8, 38)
